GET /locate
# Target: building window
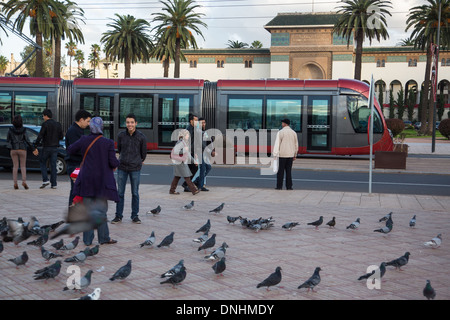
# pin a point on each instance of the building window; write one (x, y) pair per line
(412, 63)
(193, 63)
(220, 64)
(381, 63)
(445, 62)
(248, 63)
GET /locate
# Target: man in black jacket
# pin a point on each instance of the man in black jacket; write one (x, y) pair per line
(50, 135)
(75, 132)
(132, 148)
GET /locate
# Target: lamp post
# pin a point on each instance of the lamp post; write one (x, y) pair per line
(433, 138)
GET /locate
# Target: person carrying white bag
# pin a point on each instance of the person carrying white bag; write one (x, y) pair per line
(284, 152)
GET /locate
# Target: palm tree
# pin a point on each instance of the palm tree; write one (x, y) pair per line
(236, 44)
(162, 53)
(423, 20)
(361, 19)
(71, 49)
(65, 25)
(86, 73)
(2, 17)
(408, 42)
(79, 58)
(3, 64)
(256, 44)
(128, 41)
(175, 24)
(94, 56)
(38, 13)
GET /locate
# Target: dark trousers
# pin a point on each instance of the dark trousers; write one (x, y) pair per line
(48, 154)
(70, 168)
(285, 165)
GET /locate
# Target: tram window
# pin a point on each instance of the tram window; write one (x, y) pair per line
(5, 107)
(279, 108)
(30, 106)
(359, 113)
(245, 112)
(139, 104)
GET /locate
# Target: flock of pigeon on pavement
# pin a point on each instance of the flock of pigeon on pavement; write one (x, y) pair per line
(17, 231)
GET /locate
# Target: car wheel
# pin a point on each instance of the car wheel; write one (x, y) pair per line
(60, 166)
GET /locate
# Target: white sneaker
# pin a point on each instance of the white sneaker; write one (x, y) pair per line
(44, 184)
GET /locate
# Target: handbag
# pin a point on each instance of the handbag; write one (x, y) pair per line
(76, 172)
(178, 157)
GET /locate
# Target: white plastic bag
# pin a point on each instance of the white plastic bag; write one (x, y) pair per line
(275, 165)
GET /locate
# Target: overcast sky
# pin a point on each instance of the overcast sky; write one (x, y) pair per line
(241, 20)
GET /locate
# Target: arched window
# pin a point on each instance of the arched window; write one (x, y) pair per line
(443, 62)
(246, 64)
(378, 63)
(221, 64)
(383, 63)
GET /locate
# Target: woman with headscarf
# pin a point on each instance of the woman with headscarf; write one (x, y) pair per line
(95, 182)
(181, 156)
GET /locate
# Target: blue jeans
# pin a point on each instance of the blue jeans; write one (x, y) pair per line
(203, 170)
(122, 177)
(102, 230)
(70, 169)
(46, 154)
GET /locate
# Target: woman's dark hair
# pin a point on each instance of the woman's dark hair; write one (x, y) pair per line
(17, 121)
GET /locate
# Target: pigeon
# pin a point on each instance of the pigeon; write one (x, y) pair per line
(272, 280)
(399, 262)
(205, 227)
(79, 257)
(232, 219)
(189, 206)
(176, 268)
(49, 272)
(20, 260)
(387, 216)
(211, 242)
(332, 223)
(428, 291)
(218, 209)
(316, 223)
(39, 242)
(382, 269)
(95, 295)
(83, 283)
(412, 222)
(202, 238)
(58, 245)
(290, 225)
(47, 255)
(1, 246)
(167, 241)
(80, 219)
(177, 278)
(354, 225)
(385, 229)
(53, 226)
(155, 211)
(34, 227)
(313, 281)
(16, 231)
(218, 253)
(71, 245)
(123, 272)
(90, 252)
(149, 241)
(219, 266)
(435, 242)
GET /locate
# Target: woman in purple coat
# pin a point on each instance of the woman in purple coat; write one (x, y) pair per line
(95, 182)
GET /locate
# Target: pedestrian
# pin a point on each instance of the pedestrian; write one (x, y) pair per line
(194, 130)
(205, 163)
(19, 142)
(73, 134)
(50, 135)
(285, 150)
(95, 182)
(180, 157)
(132, 148)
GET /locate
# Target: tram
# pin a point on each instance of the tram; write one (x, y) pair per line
(329, 116)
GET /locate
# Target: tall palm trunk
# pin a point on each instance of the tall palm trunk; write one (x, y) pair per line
(358, 54)
(57, 62)
(39, 72)
(424, 129)
(166, 64)
(177, 58)
(127, 67)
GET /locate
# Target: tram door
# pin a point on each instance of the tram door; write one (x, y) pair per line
(319, 123)
(100, 105)
(173, 113)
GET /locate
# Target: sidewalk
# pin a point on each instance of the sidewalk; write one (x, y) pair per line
(342, 254)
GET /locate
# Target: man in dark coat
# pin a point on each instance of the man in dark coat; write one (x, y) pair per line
(95, 182)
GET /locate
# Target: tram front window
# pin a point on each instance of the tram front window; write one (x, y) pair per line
(359, 113)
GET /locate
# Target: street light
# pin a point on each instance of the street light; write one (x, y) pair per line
(433, 138)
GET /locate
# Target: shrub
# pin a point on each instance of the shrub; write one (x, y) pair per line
(444, 128)
(395, 125)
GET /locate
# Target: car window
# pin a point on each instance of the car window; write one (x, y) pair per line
(31, 135)
(4, 133)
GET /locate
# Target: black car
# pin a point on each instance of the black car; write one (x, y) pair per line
(32, 160)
